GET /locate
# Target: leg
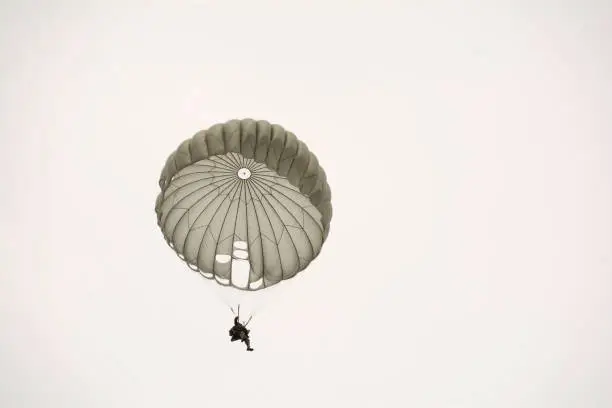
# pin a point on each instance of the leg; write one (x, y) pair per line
(248, 344)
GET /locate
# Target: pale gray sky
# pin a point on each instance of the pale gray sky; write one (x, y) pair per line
(468, 147)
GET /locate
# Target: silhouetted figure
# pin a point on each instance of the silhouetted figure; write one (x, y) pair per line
(240, 332)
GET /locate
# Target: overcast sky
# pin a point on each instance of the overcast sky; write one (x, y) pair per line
(468, 148)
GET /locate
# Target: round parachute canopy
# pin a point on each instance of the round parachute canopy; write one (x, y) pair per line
(244, 203)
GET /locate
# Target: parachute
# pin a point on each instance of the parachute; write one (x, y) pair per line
(244, 203)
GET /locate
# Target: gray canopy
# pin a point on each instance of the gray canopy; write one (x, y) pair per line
(248, 193)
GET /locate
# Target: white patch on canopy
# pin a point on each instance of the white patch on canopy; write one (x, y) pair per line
(241, 270)
(221, 258)
(241, 245)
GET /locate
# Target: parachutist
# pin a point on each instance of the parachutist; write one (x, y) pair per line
(240, 332)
